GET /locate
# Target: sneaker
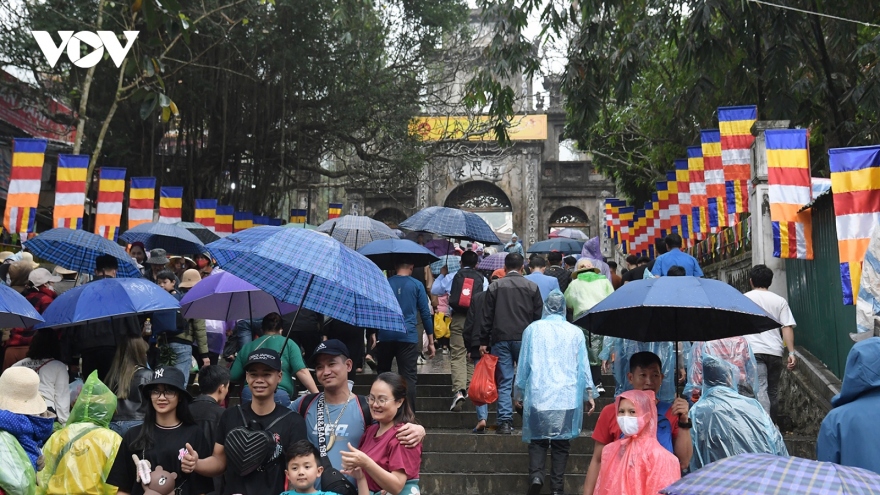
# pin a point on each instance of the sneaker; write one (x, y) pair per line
(421, 360)
(535, 486)
(600, 389)
(505, 428)
(445, 350)
(457, 399)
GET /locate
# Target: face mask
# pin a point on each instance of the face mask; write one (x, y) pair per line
(202, 262)
(629, 425)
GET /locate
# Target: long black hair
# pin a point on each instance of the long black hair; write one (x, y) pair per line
(145, 439)
(398, 390)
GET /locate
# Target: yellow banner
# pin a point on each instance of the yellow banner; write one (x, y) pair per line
(522, 128)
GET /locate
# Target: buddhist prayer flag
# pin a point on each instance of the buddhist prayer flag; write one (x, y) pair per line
(699, 203)
(275, 222)
(334, 210)
(788, 170)
(261, 220)
(70, 191)
(735, 125)
(170, 204)
(141, 201)
(111, 189)
(713, 171)
(626, 219)
(672, 190)
(243, 220)
(855, 183)
(24, 185)
(223, 221)
(205, 211)
(298, 216)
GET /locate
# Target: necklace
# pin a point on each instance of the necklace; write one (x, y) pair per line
(334, 425)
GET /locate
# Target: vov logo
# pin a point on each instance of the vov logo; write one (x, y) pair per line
(97, 41)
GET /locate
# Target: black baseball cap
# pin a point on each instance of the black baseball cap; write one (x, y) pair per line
(168, 376)
(331, 347)
(268, 357)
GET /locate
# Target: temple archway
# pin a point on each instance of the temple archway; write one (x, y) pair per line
(390, 217)
(570, 217)
(486, 200)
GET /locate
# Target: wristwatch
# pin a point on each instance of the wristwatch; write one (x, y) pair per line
(686, 426)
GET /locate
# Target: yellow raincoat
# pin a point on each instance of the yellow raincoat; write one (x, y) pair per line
(80, 455)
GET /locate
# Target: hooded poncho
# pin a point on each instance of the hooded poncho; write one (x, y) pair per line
(637, 464)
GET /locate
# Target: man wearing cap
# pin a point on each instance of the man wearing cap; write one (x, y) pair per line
(263, 374)
(346, 415)
(157, 261)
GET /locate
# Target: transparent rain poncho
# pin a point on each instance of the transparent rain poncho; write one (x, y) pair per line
(637, 464)
(17, 475)
(624, 348)
(733, 350)
(80, 455)
(725, 423)
(553, 375)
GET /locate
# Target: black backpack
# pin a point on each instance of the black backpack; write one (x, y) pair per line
(249, 448)
(465, 285)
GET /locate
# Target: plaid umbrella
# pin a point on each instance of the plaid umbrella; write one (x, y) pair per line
(77, 250)
(451, 222)
(758, 474)
(169, 237)
(356, 231)
(313, 271)
(204, 234)
(492, 262)
(561, 244)
(569, 234)
(453, 263)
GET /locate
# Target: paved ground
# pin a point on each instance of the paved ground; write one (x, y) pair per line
(437, 366)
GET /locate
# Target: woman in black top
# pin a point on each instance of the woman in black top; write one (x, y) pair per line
(163, 439)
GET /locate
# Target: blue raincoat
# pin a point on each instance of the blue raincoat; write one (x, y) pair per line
(727, 423)
(624, 348)
(552, 375)
(733, 350)
(849, 433)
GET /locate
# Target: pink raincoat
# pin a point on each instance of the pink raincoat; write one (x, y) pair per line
(637, 464)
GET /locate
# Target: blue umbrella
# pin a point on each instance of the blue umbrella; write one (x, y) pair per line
(451, 222)
(313, 271)
(77, 250)
(676, 309)
(106, 299)
(387, 252)
(560, 244)
(15, 310)
(356, 231)
(167, 236)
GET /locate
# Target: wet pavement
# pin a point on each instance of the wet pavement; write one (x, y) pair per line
(439, 365)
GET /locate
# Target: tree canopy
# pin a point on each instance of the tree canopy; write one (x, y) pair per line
(643, 76)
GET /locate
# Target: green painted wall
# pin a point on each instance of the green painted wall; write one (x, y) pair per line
(815, 295)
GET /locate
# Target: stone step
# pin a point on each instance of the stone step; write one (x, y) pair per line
(421, 390)
(367, 378)
(443, 403)
(501, 463)
(458, 420)
(455, 441)
(447, 483)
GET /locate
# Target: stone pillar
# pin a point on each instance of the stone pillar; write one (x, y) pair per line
(759, 206)
(532, 199)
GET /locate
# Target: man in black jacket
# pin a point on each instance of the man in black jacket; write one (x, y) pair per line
(512, 303)
(206, 409)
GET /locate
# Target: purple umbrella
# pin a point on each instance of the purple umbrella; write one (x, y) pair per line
(440, 247)
(223, 296)
(492, 262)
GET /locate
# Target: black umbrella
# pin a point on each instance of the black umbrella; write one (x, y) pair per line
(204, 234)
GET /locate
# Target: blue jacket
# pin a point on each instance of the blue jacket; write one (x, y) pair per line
(413, 300)
(849, 434)
(676, 257)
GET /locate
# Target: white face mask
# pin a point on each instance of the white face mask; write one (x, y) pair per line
(629, 425)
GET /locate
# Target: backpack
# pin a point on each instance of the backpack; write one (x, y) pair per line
(249, 449)
(467, 283)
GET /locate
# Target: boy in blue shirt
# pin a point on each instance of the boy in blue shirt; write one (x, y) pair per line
(303, 468)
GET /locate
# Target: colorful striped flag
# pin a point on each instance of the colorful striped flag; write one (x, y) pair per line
(699, 201)
(205, 211)
(111, 189)
(70, 191)
(170, 204)
(141, 201)
(716, 192)
(334, 210)
(674, 210)
(275, 222)
(682, 180)
(663, 205)
(735, 124)
(223, 221)
(243, 220)
(855, 183)
(788, 170)
(298, 216)
(626, 219)
(24, 185)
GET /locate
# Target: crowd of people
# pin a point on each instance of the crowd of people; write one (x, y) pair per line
(110, 405)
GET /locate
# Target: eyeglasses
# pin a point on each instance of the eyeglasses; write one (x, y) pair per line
(380, 401)
(168, 393)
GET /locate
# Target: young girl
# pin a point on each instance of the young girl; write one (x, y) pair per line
(636, 464)
(381, 462)
(167, 434)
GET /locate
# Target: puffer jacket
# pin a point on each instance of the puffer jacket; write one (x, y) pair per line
(512, 303)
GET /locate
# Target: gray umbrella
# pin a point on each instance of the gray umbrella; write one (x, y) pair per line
(356, 231)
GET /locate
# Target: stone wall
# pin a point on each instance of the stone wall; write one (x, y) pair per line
(734, 271)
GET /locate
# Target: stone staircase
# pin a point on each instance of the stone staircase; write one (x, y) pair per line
(458, 462)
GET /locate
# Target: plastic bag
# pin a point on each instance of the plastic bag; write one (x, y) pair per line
(17, 475)
(441, 326)
(483, 389)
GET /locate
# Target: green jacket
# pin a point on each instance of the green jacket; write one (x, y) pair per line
(291, 361)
